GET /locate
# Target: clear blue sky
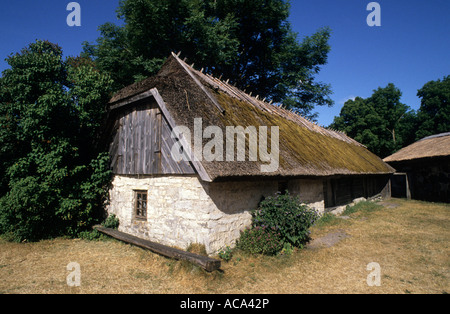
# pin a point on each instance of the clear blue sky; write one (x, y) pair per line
(410, 48)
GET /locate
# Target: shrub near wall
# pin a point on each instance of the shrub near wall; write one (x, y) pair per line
(260, 240)
(279, 220)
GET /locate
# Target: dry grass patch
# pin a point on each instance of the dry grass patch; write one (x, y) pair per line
(410, 242)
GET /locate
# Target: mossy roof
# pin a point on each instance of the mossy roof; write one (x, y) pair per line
(305, 149)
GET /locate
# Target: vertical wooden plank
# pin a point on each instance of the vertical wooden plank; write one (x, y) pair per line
(334, 191)
(139, 139)
(147, 141)
(325, 193)
(152, 140)
(158, 141)
(125, 130)
(143, 139)
(134, 152)
(143, 135)
(137, 135)
(129, 146)
(120, 146)
(155, 135)
(358, 188)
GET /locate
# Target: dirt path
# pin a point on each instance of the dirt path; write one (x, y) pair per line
(328, 240)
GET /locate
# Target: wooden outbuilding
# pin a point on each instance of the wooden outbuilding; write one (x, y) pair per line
(192, 155)
(423, 169)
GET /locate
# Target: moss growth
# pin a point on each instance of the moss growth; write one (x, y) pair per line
(319, 153)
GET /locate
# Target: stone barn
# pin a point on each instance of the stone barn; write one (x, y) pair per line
(423, 169)
(192, 156)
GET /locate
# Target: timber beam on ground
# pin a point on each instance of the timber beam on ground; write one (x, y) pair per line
(205, 262)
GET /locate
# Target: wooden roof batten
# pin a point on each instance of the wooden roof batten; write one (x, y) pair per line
(131, 100)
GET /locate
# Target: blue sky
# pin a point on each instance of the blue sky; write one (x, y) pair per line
(410, 48)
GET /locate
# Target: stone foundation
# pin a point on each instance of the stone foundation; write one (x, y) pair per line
(183, 210)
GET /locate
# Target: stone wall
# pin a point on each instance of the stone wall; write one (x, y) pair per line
(183, 210)
(178, 209)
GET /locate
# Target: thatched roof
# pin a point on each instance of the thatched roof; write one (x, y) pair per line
(306, 149)
(433, 146)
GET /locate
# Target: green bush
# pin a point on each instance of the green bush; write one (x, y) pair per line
(226, 254)
(111, 222)
(287, 250)
(279, 224)
(260, 240)
(54, 176)
(287, 216)
(92, 235)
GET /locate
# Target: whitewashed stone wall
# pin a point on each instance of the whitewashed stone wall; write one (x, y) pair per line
(183, 210)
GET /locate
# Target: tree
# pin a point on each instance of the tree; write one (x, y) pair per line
(380, 122)
(53, 175)
(249, 42)
(434, 112)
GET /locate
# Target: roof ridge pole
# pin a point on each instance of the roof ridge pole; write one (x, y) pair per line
(210, 96)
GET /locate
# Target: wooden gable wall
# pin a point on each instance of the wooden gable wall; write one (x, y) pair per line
(141, 142)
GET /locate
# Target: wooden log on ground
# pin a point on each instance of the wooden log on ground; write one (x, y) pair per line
(207, 263)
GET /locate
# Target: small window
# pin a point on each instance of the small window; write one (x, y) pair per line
(140, 207)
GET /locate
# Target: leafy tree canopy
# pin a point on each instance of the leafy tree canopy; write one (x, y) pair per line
(249, 42)
(434, 113)
(51, 111)
(381, 122)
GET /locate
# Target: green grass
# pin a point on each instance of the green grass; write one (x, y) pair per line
(365, 207)
(327, 219)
